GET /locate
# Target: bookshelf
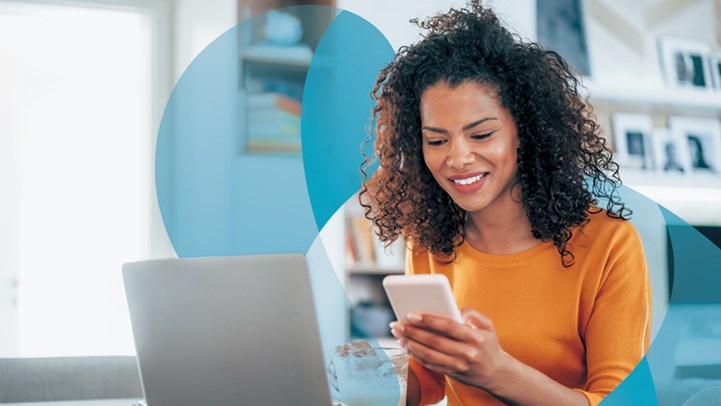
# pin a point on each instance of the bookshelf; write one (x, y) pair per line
(664, 99)
(276, 48)
(367, 263)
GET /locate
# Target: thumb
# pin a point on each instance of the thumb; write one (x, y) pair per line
(476, 319)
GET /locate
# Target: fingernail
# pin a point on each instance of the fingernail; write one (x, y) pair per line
(415, 318)
(397, 327)
(394, 333)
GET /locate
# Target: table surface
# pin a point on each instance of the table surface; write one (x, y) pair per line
(99, 402)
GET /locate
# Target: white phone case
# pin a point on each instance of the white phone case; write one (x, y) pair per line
(421, 294)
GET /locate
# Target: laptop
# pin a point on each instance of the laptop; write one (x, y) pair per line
(226, 331)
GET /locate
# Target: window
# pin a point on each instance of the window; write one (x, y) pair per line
(76, 158)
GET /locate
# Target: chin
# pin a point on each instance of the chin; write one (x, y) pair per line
(469, 204)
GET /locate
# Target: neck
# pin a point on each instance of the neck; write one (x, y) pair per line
(500, 228)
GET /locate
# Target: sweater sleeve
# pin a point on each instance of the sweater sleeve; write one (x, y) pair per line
(432, 384)
(617, 332)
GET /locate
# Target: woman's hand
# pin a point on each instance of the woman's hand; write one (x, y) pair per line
(469, 353)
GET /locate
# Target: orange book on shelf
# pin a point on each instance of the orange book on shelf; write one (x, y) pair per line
(363, 241)
(351, 254)
(261, 101)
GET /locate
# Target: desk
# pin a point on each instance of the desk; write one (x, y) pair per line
(99, 402)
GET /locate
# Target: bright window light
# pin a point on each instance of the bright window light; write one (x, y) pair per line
(76, 175)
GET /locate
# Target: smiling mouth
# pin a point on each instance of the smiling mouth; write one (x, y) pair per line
(469, 181)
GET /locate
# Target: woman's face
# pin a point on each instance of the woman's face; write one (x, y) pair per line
(470, 144)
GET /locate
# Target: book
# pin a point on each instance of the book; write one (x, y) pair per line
(299, 54)
(351, 255)
(363, 240)
(262, 146)
(270, 119)
(274, 100)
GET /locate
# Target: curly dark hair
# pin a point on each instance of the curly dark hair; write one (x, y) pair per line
(564, 164)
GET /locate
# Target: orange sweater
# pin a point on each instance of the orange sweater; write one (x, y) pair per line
(586, 326)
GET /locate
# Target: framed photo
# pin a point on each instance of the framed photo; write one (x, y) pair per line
(686, 62)
(632, 140)
(670, 152)
(703, 142)
(560, 27)
(716, 69)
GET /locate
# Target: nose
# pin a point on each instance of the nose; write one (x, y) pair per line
(460, 155)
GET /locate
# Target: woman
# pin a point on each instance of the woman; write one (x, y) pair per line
(489, 163)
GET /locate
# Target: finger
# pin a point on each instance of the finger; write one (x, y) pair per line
(432, 367)
(435, 360)
(476, 319)
(437, 342)
(397, 334)
(398, 329)
(442, 326)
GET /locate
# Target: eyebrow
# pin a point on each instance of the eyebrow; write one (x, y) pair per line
(465, 127)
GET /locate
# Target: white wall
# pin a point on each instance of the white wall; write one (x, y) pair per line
(622, 37)
(196, 24)
(391, 17)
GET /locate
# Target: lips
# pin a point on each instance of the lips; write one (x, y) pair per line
(468, 182)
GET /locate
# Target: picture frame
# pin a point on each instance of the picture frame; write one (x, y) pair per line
(670, 152)
(702, 137)
(716, 69)
(632, 140)
(560, 26)
(686, 63)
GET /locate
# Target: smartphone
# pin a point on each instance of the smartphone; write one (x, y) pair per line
(430, 293)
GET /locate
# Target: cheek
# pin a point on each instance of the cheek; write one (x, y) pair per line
(434, 162)
(508, 154)
(430, 159)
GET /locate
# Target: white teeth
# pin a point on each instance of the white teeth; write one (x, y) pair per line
(468, 181)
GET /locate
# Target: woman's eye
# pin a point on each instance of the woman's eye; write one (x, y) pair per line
(482, 136)
(435, 143)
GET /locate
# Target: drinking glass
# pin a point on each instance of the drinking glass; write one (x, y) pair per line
(372, 376)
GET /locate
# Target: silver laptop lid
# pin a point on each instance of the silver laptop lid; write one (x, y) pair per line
(226, 331)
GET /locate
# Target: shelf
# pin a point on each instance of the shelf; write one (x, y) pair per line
(371, 269)
(695, 197)
(680, 100)
(645, 178)
(290, 56)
